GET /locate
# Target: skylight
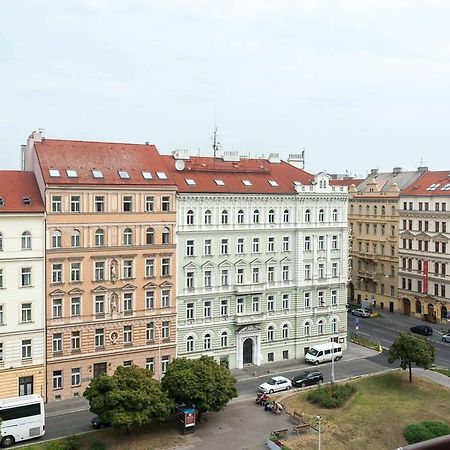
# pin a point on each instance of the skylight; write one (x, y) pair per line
(219, 183)
(97, 173)
(123, 174)
(54, 172)
(71, 173)
(147, 175)
(273, 183)
(446, 187)
(161, 175)
(297, 183)
(2, 202)
(433, 187)
(190, 182)
(26, 200)
(247, 182)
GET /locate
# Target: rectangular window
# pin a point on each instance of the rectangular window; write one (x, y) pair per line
(57, 379)
(307, 299)
(255, 275)
(208, 278)
(75, 272)
(127, 268)
(149, 268)
(255, 304)
(271, 244)
(165, 329)
(224, 247)
(150, 331)
(224, 277)
(165, 360)
(321, 242)
(25, 315)
(56, 203)
(321, 270)
(334, 294)
(240, 306)
(240, 246)
(320, 298)
(2, 315)
(334, 242)
(149, 299)
(307, 243)
(190, 311)
(240, 276)
(57, 342)
(307, 271)
(1, 279)
(99, 304)
(285, 273)
(99, 337)
(190, 248)
(285, 243)
(165, 267)
(165, 298)
(26, 349)
(99, 203)
(224, 307)
(150, 364)
(127, 203)
(270, 303)
(57, 308)
(271, 274)
(75, 306)
(75, 341)
(128, 302)
(285, 301)
(99, 270)
(57, 273)
(255, 245)
(334, 270)
(25, 276)
(149, 203)
(165, 203)
(207, 247)
(190, 280)
(75, 202)
(127, 334)
(76, 377)
(207, 309)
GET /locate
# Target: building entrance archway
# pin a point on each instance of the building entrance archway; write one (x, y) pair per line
(247, 351)
(406, 307)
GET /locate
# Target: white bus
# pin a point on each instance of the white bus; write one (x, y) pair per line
(22, 418)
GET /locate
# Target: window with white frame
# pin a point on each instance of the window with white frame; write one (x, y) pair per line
(190, 217)
(285, 301)
(57, 308)
(57, 239)
(127, 236)
(224, 339)
(189, 344)
(165, 267)
(99, 303)
(307, 215)
(208, 217)
(285, 243)
(240, 216)
(285, 272)
(286, 216)
(270, 333)
(56, 203)
(2, 283)
(76, 377)
(208, 278)
(321, 242)
(75, 306)
(224, 307)
(26, 349)
(127, 302)
(224, 277)
(334, 242)
(75, 341)
(256, 216)
(190, 247)
(271, 244)
(321, 215)
(285, 331)
(26, 240)
(149, 267)
(99, 203)
(57, 342)
(271, 274)
(307, 329)
(207, 309)
(127, 268)
(75, 272)
(149, 203)
(255, 274)
(99, 339)
(75, 203)
(307, 299)
(255, 245)
(255, 304)
(165, 203)
(335, 215)
(334, 324)
(321, 270)
(224, 246)
(224, 217)
(165, 360)
(99, 238)
(240, 306)
(334, 295)
(25, 313)
(150, 331)
(150, 364)
(165, 329)
(320, 298)
(207, 247)
(240, 275)
(334, 269)
(189, 311)
(270, 302)
(57, 273)
(240, 246)
(57, 379)
(190, 280)
(271, 216)
(165, 236)
(165, 298)
(307, 271)
(149, 236)
(75, 239)
(307, 242)
(207, 342)
(320, 327)
(149, 299)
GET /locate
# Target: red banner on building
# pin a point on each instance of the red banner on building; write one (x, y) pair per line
(425, 277)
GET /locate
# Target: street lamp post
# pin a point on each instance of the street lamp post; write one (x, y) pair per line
(318, 419)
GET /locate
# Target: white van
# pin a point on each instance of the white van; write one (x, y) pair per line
(323, 352)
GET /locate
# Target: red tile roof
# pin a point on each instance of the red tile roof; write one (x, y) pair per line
(430, 184)
(14, 186)
(84, 156)
(259, 172)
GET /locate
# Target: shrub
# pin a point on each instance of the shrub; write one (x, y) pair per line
(97, 446)
(423, 431)
(332, 396)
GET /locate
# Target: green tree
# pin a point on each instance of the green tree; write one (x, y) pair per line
(129, 398)
(202, 383)
(411, 349)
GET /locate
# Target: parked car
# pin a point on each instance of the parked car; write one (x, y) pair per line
(97, 423)
(307, 378)
(361, 312)
(446, 338)
(424, 330)
(276, 384)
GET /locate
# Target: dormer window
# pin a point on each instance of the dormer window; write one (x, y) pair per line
(97, 173)
(123, 174)
(247, 182)
(26, 200)
(219, 182)
(273, 183)
(161, 175)
(147, 175)
(71, 173)
(190, 182)
(297, 183)
(54, 172)
(2, 202)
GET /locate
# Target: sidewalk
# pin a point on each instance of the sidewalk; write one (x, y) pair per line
(353, 351)
(435, 377)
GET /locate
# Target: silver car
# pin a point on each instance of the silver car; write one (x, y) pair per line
(361, 312)
(446, 338)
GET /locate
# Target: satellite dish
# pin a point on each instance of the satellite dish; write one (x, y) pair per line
(179, 164)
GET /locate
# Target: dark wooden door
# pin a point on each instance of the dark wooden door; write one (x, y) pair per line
(99, 369)
(248, 351)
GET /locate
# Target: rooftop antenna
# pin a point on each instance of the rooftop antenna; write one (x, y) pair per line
(216, 143)
(421, 162)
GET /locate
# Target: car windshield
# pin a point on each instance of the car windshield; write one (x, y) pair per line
(313, 351)
(272, 381)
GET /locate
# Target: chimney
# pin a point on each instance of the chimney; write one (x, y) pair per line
(28, 150)
(396, 170)
(374, 172)
(274, 158)
(297, 160)
(181, 153)
(422, 168)
(231, 156)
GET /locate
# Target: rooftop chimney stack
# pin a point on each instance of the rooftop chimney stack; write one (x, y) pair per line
(396, 170)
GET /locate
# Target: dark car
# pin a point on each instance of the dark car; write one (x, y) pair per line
(97, 423)
(307, 378)
(424, 330)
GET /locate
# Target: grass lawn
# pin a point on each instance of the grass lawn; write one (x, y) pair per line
(151, 437)
(445, 372)
(374, 418)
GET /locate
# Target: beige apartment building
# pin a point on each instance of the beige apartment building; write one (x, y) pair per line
(374, 224)
(110, 258)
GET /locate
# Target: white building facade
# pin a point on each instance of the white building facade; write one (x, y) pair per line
(22, 284)
(262, 265)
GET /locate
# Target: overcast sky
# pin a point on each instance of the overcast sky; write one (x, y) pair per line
(358, 84)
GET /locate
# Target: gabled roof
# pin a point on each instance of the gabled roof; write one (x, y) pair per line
(431, 184)
(246, 176)
(73, 162)
(387, 180)
(19, 192)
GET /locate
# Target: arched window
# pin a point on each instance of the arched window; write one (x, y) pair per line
(240, 216)
(255, 216)
(335, 215)
(285, 331)
(207, 342)
(207, 217)
(286, 216)
(443, 269)
(334, 325)
(75, 238)
(224, 339)
(367, 210)
(418, 307)
(99, 238)
(270, 333)
(351, 209)
(127, 237)
(190, 217)
(190, 344)
(383, 210)
(224, 217)
(320, 327)
(375, 210)
(56, 239)
(307, 329)
(165, 237)
(271, 216)
(150, 236)
(360, 209)
(26, 240)
(307, 215)
(436, 268)
(321, 215)
(393, 210)
(1, 242)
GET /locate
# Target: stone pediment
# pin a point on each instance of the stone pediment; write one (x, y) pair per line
(422, 235)
(224, 264)
(57, 293)
(207, 265)
(99, 289)
(286, 260)
(165, 284)
(75, 291)
(256, 262)
(271, 261)
(190, 266)
(150, 285)
(440, 238)
(241, 262)
(128, 287)
(406, 235)
(249, 329)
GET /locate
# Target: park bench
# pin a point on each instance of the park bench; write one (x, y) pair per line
(281, 433)
(301, 428)
(297, 417)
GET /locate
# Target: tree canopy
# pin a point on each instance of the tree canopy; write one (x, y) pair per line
(202, 383)
(129, 398)
(411, 349)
